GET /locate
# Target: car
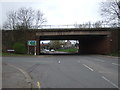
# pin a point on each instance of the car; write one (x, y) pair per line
(52, 50)
(46, 50)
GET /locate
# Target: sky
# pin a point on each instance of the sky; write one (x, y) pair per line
(57, 12)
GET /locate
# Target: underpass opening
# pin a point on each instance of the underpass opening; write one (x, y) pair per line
(59, 46)
(87, 44)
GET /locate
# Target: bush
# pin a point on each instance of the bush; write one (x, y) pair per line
(19, 48)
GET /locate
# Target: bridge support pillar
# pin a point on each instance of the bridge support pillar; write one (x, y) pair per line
(79, 48)
(38, 46)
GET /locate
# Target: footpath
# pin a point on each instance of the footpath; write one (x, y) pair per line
(13, 78)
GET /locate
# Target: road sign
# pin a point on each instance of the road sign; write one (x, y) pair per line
(31, 43)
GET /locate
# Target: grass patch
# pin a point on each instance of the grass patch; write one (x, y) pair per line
(13, 54)
(115, 54)
(68, 50)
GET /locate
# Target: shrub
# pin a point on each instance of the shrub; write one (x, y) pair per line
(19, 48)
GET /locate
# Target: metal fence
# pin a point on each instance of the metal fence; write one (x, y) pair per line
(78, 26)
(69, 26)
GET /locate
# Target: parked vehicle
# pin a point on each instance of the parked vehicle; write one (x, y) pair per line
(46, 50)
(52, 50)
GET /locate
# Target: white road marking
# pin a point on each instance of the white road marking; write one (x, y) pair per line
(115, 64)
(59, 62)
(88, 67)
(110, 82)
(38, 84)
(27, 76)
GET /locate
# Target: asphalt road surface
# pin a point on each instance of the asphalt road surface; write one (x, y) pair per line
(85, 71)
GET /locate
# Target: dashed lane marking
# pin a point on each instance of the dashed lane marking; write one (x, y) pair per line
(110, 82)
(88, 67)
(115, 64)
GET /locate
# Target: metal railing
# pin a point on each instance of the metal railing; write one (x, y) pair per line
(70, 26)
(78, 26)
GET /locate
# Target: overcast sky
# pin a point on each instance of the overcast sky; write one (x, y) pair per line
(57, 12)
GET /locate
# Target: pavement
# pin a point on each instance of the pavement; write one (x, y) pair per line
(82, 71)
(13, 77)
(55, 52)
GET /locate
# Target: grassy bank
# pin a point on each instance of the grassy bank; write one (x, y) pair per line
(68, 50)
(13, 54)
(115, 54)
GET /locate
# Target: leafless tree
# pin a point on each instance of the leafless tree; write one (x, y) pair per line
(97, 24)
(89, 24)
(111, 11)
(39, 19)
(24, 19)
(11, 21)
(85, 25)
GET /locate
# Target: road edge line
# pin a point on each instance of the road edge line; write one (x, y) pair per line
(27, 76)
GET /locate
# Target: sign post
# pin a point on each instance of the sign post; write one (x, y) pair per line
(28, 49)
(35, 51)
(32, 43)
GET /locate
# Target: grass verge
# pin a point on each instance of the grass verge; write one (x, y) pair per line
(115, 54)
(13, 54)
(68, 50)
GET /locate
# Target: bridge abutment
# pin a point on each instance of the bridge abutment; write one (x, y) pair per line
(38, 45)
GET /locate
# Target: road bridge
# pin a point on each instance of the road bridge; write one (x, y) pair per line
(91, 40)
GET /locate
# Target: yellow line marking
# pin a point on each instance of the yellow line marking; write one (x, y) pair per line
(38, 84)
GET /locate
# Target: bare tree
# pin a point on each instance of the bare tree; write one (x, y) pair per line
(39, 19)
(12, 20)
(24, 19)
(111, 11)
(97, 24)
(85, 25)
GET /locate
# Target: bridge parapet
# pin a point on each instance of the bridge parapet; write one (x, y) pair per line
(87, 25)
(73, 32)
